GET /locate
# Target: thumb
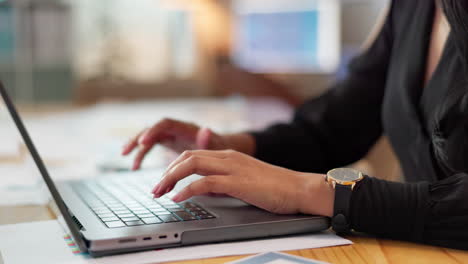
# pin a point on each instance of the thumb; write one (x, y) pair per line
(203, 138)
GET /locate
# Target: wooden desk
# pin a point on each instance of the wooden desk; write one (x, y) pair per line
(364, 249)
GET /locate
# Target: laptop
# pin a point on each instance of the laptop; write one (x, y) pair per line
(117, 214)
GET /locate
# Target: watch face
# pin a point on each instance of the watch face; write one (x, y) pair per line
(345, 175)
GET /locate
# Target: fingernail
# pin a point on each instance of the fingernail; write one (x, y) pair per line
(176, 198)
(141, 140)
(156, 188)
(156, 196)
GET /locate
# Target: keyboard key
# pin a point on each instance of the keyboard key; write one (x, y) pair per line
(102, 211)
(168, 218)
(134, 223)
(141, 211)
(111, 204)
(131, 202)
(176, 210)
(158, 210)
(149, 202)
(189, 205)
(154, 207)
(136, 208)
(162, 213)
(133, 218)
(185, 216)
(125, 215)
(97, 208)
(208, 216)
(115, 224)
(196, 209)
(117, 208)
(166, 203)
(145, 215)
(172, 206)
(105, 215)
(197, 213)
(110, 201)
(122, 212)
(110, 219)
(153, 220)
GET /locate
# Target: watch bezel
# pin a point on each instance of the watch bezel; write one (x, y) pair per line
(330, 178)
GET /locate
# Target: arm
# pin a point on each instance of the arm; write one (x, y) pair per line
(340, 126)
(435, 213)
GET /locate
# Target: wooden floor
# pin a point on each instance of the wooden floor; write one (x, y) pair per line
(364, 249)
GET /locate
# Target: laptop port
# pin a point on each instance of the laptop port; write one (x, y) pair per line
(147, 238)
(127, 240)
(162, 237)
(176, 235)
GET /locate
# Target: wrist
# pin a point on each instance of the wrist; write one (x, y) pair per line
(318, 197)
(242, 142)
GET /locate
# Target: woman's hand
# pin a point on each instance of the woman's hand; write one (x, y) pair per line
(179, 136)
(272, 188)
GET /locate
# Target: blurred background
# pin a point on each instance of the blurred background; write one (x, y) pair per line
(87, 75)
(85, 51)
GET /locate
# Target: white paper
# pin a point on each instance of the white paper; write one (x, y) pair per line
(9, 136)
(324, 239)
(25, 196)
(22, 175)
(9, 146)
(21, 184)
(45, 244)
(36, 242)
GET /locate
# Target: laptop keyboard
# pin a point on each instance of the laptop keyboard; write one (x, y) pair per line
(123, 203)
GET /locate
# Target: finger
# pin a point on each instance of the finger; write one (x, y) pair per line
(213, 184)
(170, 126)
(132, 143)
(201, 165)
(129, 147)
(203, 138)
(140, 156)
(222, 154)
(189, 153)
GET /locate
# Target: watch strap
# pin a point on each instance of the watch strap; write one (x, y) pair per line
(340, 222)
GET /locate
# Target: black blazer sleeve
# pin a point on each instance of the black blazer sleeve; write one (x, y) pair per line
(340, 126)
(434, 213)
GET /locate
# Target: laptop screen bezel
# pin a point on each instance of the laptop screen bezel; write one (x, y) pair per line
(42, 169)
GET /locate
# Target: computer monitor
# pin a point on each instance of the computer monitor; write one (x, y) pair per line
(294, 36)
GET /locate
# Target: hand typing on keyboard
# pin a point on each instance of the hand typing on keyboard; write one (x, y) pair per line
(176, 135)
(272, 188)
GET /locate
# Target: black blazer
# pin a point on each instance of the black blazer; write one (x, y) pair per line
(383, 93)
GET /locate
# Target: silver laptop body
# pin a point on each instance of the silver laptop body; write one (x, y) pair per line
(116, 214)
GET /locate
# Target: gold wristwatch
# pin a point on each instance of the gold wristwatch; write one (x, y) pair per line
(343, 181)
